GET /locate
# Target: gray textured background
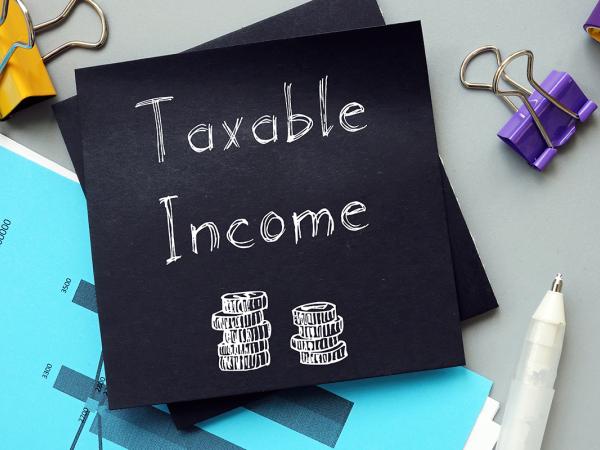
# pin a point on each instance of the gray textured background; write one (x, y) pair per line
(527, 225)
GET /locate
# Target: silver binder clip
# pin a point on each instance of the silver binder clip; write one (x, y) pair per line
(24, 79)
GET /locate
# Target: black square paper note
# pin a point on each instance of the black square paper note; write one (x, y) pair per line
(302, 175)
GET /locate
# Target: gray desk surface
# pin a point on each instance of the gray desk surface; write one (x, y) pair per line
(527, 225)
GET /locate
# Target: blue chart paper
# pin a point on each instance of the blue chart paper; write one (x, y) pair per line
(51, 372)
(433, 410)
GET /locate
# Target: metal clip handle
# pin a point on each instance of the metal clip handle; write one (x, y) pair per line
(488, 87)
(18, 44)
(73, 44)
(32, 30)
(531, 80)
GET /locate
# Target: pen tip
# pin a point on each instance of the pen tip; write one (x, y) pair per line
(557, 283)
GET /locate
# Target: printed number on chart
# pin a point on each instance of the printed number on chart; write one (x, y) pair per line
(100, 385)
(47, 371)
(6, 223)
(84, 414)
(66, 285)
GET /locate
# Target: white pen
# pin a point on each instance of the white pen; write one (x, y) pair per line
(532, 388)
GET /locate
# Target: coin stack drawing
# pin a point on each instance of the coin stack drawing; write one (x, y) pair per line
(319, 328)
(246, 332)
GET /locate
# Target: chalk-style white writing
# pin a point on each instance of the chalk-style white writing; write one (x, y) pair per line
(232, 134)
(201, 128)
(160, 142)
(232, 229)
(264, 129)
(351, 209)
(351, 109)
(214, 235)
(294, 117)
(168, 202)
(266, 226)
(263, 120)
(325, 128)
(316, 218)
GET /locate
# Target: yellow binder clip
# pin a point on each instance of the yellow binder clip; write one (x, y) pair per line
(24, 79)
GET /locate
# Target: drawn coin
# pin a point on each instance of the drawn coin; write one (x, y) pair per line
(242, 363)
(327, 329)
(325, 357)
(250, 334)
(314, 313)
(224, 321)
(244, 302)
(301, 344)
(243, 348)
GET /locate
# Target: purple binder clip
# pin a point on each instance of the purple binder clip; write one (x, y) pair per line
(547, 118)
(592, 26)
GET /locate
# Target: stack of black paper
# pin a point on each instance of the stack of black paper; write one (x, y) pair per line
(305, 170)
